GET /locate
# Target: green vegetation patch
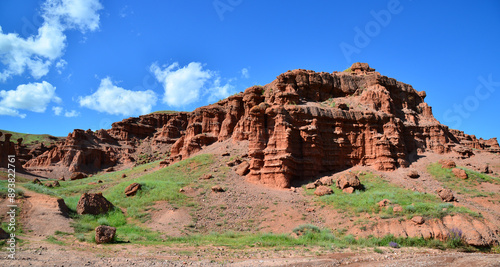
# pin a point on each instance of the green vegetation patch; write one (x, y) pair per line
(462, 186)
(31, 138)
(377, 189)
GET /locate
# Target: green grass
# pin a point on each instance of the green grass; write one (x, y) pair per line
(4, 190)
(348, 70)
(32, 138)
(165, 112)
(462, 186)
(54, 240)
(376, 189)
(161, 185)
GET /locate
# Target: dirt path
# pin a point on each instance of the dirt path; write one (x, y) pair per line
(43, 215)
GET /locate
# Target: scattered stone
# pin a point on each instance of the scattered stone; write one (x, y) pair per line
(182, 190)
(348, 190)
(104, 234)
(48, 184)
(243, 169)
(124, 175)
(226, 154)
(323, 190)
(484, 168)
(100, 182)
(310, 185)
(77, 176)
(206, 176)
(446, 195)
(348, 179)
(413, 174)
(36, 181)
(326, 180)
(418, 219)
(56, 184)
(383, 202)
(447, 164)
(110, 169)
(93, 203)
(311, 209)
(217, 188)
(460, 173)
(132, 189)
(397, 208)
(233, 162)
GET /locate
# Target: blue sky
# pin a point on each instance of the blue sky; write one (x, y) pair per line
(67, 64)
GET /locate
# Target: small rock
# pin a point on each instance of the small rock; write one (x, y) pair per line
(348, 190)
(323, 190)
(182, 190)
(484, 168)
(447, 164)
(460, 173)
(206, 176)
(413, 174)
(62, 179)
(446, 195)
(233, 162)
(383, 202)
(311, 209)
(226, 154)
(243, 169)
(397, 208)
(48, 185)
(56, 184)
(217, 188)
(311, 186)
(77, 176)
(418, 219)
(132, 189)
(104, 234)
(124, 175)
(100, 182)
(36, 181)
(110, 169)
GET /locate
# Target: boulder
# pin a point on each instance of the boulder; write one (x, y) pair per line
(310, 185)
(348, 179)
(460, 173)
(132, 189)
(447, 164)
(56, 184)
(93, 203)
(243, 169)
(104, 234)
(323, 190)
(446, 195)
(77, 176)
(326, 180)
(348, 190)
(484, 168)
(413, 174)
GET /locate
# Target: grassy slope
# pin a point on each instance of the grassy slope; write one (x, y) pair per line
(164, 185)
(376, 189)
(31, 138)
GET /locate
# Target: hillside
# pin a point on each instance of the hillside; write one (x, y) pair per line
(310, 164)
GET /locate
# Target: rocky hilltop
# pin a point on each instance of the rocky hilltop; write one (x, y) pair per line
(299, 126)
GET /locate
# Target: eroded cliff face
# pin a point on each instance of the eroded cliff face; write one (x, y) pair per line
(302, 124)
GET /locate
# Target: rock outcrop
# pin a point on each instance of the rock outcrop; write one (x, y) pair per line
(299, 126)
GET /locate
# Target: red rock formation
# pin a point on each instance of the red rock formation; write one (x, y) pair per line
(300, 125)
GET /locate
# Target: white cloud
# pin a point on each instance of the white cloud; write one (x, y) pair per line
(72, 113)
(245, 73)
(115, 100)
(32, 96)
(61, 65)
(57, 110)
(37, 53)
(188, 84)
